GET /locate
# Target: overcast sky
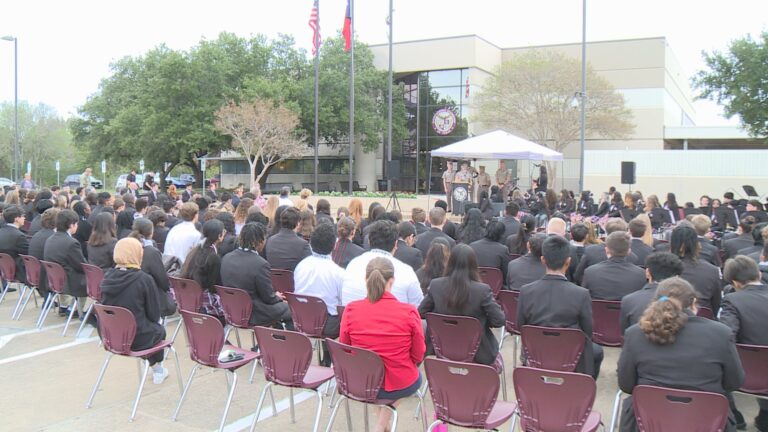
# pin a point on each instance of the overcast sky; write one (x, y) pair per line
(65, 47)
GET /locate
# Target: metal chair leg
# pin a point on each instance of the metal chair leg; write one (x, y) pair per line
(423, 410)
(227, 330)
(71, 314)
(22, 290)
(349, 415)
(615, 411)
(85, 319)
(394, 418)
(253, 372)
(141, 388)
(503, 380)
(42, 311)
(98, 380)
(5, 291)
(274, 406)
(229, 401)
(178, 368)
(268, 386)
(422, 392)
(26, 300)
(333, 413)
(515, 346)
(184, 393)
(365, 417)
(432, 426)
(237, 338)
(319, 410)
(48, 309)
(292, 405)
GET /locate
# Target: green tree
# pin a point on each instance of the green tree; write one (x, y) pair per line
(532, 95)
(736, 80)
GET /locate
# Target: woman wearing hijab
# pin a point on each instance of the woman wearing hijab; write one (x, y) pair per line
(129, 287)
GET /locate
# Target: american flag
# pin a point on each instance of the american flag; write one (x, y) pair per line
(314, 24)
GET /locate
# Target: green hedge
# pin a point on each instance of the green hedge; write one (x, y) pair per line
(367, 194)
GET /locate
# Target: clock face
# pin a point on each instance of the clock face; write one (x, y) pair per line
(444, 121)
(460, 194)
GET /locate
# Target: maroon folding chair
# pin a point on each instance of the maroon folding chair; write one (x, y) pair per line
(465, 395)
(237, 307)
(606, 330)
(287, 356)
(282, 280)
(117, 327)
(188, 295)
(551, 348)
(359, 376)
(8, 273)
(555, 401)
(309, 315)
(493, 277)
(659, 409)
(508, 301)
(205, 344)
(33, 268)
(57, 280)
(93, 277)
(705, 312)
(754, 359)
(457, 338)
(27, 225)
(514, 256)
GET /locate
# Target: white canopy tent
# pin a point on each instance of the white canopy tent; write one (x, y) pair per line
(497, 145)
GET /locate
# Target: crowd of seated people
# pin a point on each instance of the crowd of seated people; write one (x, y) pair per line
(664, 263)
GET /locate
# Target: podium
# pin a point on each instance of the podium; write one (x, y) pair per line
(460, 197)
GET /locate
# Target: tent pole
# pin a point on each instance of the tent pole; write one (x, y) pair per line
(429, 179)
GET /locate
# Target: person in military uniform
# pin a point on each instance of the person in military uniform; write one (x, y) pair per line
(448, 182)
(483, 183)
(503, 179)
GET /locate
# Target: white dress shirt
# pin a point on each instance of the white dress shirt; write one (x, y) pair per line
(285, 202)
(181, 239)
(406, 287)
(317, 275)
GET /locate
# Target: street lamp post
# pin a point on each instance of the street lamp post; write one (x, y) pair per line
(583, 93)
(15, 168)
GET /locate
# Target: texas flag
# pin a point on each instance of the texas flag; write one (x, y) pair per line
(347, 31)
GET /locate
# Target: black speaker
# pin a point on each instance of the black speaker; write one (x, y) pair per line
(393, 169)
(627, 173)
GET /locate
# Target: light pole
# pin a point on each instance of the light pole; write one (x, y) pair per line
(15, 169)
(583, 93)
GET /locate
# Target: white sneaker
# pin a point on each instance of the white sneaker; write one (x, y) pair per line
(159, 377)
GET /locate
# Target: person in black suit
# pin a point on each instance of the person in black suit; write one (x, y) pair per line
(104, 200)
(101, 243)
(755, 209)
(637, 229)
(461, 292)
(149, 180)
(743, 311)
(160, 231)
(404, 251)
(323, 212)
(511, 224)
(14, 242)
(528, 268)
(285, 249)
(63, 249)
(436, 220)
(244, 268)
(704, 276)
(152, 196)
(659, 267)
(211, 192)
(579, 233)
(189, 193)
(708, 251)
(671, 347)
(449, 228)
(759, 235)
(83, 226)
(555, 302)
(594, 254)
(37, 245)
(489, 251)
(418, 217)
(345, 249)
(616, 277)
(743, 240)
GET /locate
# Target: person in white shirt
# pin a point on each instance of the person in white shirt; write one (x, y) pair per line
(383, 237)
(284, 199)
(317, 275)
(184, 235)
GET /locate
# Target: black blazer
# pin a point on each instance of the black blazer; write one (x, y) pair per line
(745, 312)
(480, 304)
(659, 217)
(160, 234)
(634, 305)
(703, 357)
(555, 302)
(227, 245)
(248, 271)
(709, 252)
(152, 264)
(511, 226)
(186, 196)
(424, 240)
(345, 251)
(641, 250)
(285, 249)
(734, 245)
(706, 280)
(523, 271)
(36, 249)
(82, 234)
(409, 255)
(613, 279)
(102, 255)
(594, 254)
(14, 242)
(491, 254)
(420, 227)
(61, 248)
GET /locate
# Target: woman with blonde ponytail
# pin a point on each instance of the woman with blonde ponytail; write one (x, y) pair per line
(391, 329)
(672, 347)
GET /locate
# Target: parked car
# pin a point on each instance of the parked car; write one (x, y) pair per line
(179, 182)
(73, 181)
(6, 182)
(121, 181)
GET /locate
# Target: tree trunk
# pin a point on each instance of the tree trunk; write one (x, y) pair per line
(164, 173)
(253, 180)
(195, 165)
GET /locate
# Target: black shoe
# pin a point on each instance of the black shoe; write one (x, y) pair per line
(739, 417)
(255, 348)
(63, 311)
(761, 421)
(11, 290)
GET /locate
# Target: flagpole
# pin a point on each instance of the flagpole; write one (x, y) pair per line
(389, 103)
(317, 94)
(351, 91)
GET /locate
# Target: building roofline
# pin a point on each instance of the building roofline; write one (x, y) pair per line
(664, 38)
